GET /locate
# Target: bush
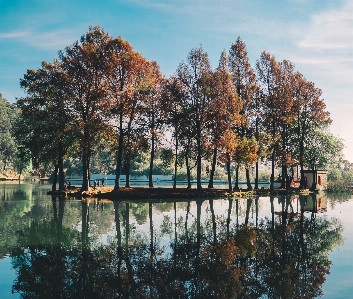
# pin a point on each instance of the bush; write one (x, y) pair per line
(264, 175)
(338, 186)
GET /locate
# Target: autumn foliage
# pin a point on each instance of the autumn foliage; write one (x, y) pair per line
(101, 88)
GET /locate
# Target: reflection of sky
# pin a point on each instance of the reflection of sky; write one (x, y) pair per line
(7, 276)
(339, 284)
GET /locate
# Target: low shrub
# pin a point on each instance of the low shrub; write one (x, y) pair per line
(338, 186)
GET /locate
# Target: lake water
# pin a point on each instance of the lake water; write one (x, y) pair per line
(264, 247)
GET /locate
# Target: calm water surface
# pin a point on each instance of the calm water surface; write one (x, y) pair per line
(267, 247)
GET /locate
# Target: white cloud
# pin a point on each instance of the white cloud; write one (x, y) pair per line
(44, 40)
(323, 52)
(15, 34)
(330, 30)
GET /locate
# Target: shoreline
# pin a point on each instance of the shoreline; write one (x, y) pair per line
(167, 193)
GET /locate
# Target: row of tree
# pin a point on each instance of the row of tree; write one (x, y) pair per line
(101, 91)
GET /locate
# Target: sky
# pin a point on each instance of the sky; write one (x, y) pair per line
(317, 36)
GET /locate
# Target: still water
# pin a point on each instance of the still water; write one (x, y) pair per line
(261, 247)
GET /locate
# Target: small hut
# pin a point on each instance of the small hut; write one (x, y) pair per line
(315, 179)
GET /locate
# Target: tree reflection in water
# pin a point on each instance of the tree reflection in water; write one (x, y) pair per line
(206, 255)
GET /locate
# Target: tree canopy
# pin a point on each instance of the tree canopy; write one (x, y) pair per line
(101, 91)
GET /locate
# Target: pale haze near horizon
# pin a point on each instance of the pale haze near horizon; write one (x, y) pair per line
(317, 36)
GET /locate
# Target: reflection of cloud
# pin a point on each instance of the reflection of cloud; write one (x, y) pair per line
(45, 40)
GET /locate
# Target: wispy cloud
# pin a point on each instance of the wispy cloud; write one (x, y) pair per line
(327, 41)
(330, 30)
(322, 51)
(56, 39)
(13, 35)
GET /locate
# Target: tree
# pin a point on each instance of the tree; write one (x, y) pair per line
(284, 116)
(8, 115)
(189, 145)
(245, 81)
(195, 77)
(322, 150)
(228, 145)
(223, 110)
(151, 110)
(274, 95)
(310, 112)
(126, 76)
(245, 155)
(174, 110)
(45, 126)
(85, 84)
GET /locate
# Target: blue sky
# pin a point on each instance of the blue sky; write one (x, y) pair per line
(317, 36)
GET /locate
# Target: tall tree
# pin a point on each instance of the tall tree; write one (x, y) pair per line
(285, 116)
(8, 115)
(152, 116)
(45, 126)
(196, 76)
(126, 73)
(311, 114)
(86, 85)
(174, 112)
(245, 81)
(268, 70)
(223, 110)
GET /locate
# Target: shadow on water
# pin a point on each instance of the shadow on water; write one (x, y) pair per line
(274, 247)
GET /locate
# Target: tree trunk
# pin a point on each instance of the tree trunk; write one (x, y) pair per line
(188, 172)
(248, 183)
(61, 168)
(313, 186)
(198, 170)
(272, 171)
(55, 178)
(257, 175)
(85, 157)
(198, 159)
(127, 171)
(214, 160)
(247, 213)
(175, 162)
(88, 168)
(150, 178)
(257, 162)
(236, 186)
(284, 152)
(119, 156)
(302, 179)
(229, 175)
(301, 154)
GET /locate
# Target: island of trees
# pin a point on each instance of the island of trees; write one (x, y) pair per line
(101, 100)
